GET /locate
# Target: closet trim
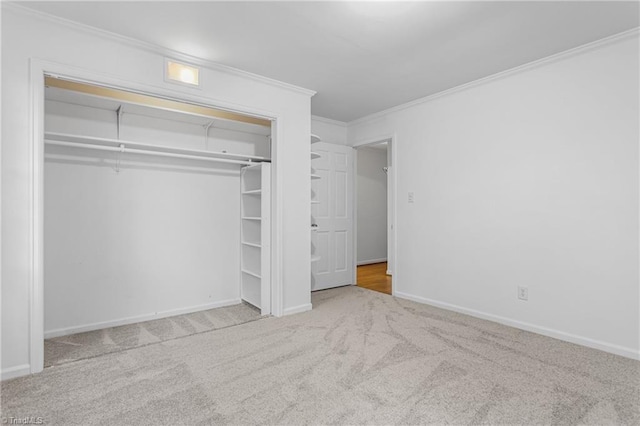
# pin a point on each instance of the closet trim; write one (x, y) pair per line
(39, 69)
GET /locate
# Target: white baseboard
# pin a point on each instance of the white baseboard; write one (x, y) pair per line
(556, 334)
(138, 318)
(371, 261)
(389, 272)
(17, 371)
(298, 309)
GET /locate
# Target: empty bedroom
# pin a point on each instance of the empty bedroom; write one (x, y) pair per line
(320, 212)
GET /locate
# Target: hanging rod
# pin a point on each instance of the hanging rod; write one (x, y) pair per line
(122, 147)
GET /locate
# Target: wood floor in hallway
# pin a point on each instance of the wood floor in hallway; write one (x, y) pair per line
(374, 277)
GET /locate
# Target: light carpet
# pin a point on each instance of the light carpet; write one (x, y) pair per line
(359, 357)
(60, 350)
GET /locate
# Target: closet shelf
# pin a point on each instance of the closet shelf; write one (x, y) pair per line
(315, 138)
(253, 192)
(251, 218)
(315, 176)
(244, 243)
(253, 274)
(315, 258)
(79, 141)
(315, 155)
(315, 202)
(110, 99)
(255, 166)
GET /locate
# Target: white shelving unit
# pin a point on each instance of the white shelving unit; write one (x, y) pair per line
(314, 176)
(255, 258)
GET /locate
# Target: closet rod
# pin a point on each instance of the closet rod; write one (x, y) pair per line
(122, 148)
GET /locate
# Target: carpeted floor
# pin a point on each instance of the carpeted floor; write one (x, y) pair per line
(60, 350)
(360, 357)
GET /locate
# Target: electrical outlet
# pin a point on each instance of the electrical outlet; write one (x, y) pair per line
(523, 293)
(411, 197)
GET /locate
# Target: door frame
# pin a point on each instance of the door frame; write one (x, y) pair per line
(392, 228)
(37, 71)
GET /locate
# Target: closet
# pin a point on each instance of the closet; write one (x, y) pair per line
(153, 207)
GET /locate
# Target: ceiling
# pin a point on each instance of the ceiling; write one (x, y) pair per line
(361, 57)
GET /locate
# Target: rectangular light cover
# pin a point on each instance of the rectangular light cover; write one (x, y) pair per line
(183, 73)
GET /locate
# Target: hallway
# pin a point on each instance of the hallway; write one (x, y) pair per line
(374, 277)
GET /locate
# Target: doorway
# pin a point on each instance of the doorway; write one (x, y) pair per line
(373, 224)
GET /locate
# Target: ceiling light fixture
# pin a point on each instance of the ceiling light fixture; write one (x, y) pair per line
(182, 73)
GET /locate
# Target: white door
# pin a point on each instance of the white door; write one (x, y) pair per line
(332, 212)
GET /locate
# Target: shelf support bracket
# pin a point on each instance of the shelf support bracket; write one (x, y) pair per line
(119, 113)
(206, 134)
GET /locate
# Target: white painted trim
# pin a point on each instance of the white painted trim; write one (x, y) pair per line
(298, 309)
(374, 141)
(277, 223)
(328, 121)
(389, 272)
(36, 237)
(36, 288)
(499, 75)
(371, 261)
(354, 233)
(153, 48)
(17, 371)
(549, 332)
(138, 318)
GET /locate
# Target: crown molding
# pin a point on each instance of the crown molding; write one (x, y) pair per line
(500, 75)
(329, 121)
(153, 48)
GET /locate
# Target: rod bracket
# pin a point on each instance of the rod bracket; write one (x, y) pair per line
(119, 157)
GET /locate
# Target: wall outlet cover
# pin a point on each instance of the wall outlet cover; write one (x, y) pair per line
(523, 293)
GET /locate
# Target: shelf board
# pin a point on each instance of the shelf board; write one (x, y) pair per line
(315, 138)
(72, 92)
(315, 258)
(315, 202)
(315, 176)
(244, 271)
(254, 166)
(315, 155)
(244, 243)
(253, 192)
(115, 143)
(251, 218)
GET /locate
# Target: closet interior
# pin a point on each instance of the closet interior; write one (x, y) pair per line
(153, 207)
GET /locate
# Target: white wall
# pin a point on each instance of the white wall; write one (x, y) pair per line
(161, 236)
(331, 131)
(527, 179)
(371, 205)
(27, 36)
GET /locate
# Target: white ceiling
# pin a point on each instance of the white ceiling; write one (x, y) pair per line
(361, 57)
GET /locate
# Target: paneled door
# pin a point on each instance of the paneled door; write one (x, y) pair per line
(332, 212)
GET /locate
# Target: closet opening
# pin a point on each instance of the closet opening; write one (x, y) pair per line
(156, 218)
(373, 216)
